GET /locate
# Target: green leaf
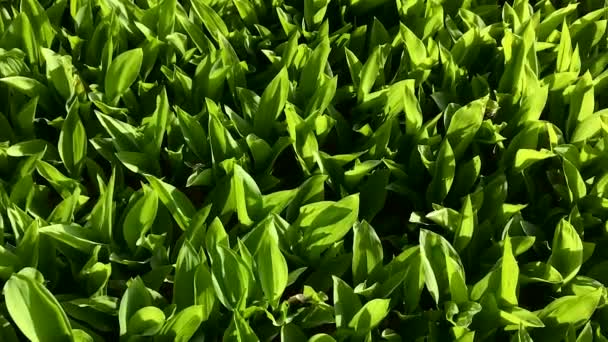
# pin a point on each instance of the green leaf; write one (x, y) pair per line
(534, 99)
(135, 297)
(59, 72)
(246, 194)
(272, 268)
(321, 338)
(194, 134)
(239, 330)
(146, 321)
(444, 272)
(95, 275)
(28, 249)
(405, 270)
(124, 136)
(122, 72)
(34, 309)
(582, 103)
(517, 317)
(184, 290)
(540, 272)
(139, 218)
(353, 177)
(369, 316)
(464, 124)
(516, 51)
(40, 21)
(9, 264)
(414, 47)
(259, 148)
(174, 200)
(21, 34)
(138, 162)
(73, 142)
(183, 325)
(216, 235)
(525, 158)
(30, 87)
(576, 185)
(346, 303)
(588, 128)
(466, 226)
(223, 144)
(212, 21)
(553, 19)
(271, 104)
(321, 224)
(354, 66)
(166, 18)
(411, 107)
(314, 12)
(445, 217)
(461, 316)
(75, 236)
(370, 72)
(586, 335)
(101, 218)
(567, 250)
(522, 335)
(509, 274)
(367, 251)
(574, 310)
(443, 174)
(231, 278)
(314, 69)
(24, 119)
(310, 191)
(303, 138)
(564, 52)
(195, 33)
(155, 125)
(205, 292)
(81, 336)
(28, 148)
(246, 11)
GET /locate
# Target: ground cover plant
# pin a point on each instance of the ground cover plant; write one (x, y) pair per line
(316, 170)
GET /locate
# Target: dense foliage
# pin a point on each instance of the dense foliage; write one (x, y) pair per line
(316, 170)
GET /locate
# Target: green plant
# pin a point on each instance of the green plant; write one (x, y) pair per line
(346, 170)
